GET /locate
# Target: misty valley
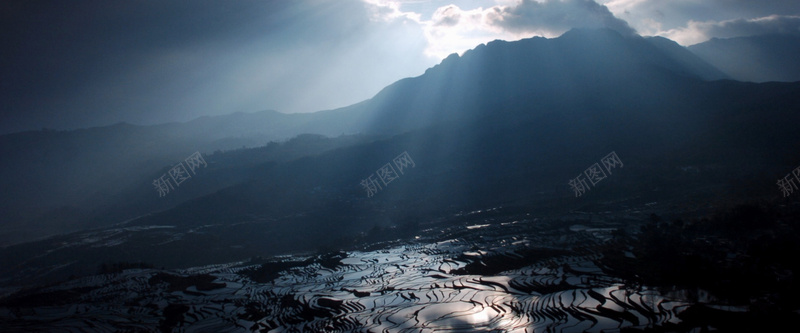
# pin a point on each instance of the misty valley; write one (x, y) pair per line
(593, 182)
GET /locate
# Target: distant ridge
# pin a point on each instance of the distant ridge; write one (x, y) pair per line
(759, 58)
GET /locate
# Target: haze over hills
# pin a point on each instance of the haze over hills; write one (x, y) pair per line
(96, 165)
(448, 193)
(507, 123)
(760, 58)
(650, 89)
(65, 175)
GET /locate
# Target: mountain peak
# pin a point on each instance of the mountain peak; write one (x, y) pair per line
(590, 32)
(581, 62)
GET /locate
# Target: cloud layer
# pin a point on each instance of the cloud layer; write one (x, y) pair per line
(530, 16)
(453, 29)
(694, 21)
(698, 32)
(93, 63)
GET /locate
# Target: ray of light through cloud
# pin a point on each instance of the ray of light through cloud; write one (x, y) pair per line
(452, 28)
(458, 26)
(98, 63)
(134, 63)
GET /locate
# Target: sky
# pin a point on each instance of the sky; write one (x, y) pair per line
(78, 64)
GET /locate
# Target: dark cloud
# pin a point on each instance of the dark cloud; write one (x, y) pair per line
(91, 63)
(56, 53)
(654, 16)
(447, 16)
(555, 15)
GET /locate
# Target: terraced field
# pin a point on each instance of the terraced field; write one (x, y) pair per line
(502, 276)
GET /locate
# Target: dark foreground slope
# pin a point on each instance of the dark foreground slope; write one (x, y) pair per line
(491, 270)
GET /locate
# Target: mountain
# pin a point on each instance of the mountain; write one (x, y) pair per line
(102, 173)
(507, 124)
(473, 220)
(57, 180)
(529, 72)
(759, 58)
(53, 181)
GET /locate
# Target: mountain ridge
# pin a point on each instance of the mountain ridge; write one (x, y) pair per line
(500, 84)
(759, 58)
(566, 66)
